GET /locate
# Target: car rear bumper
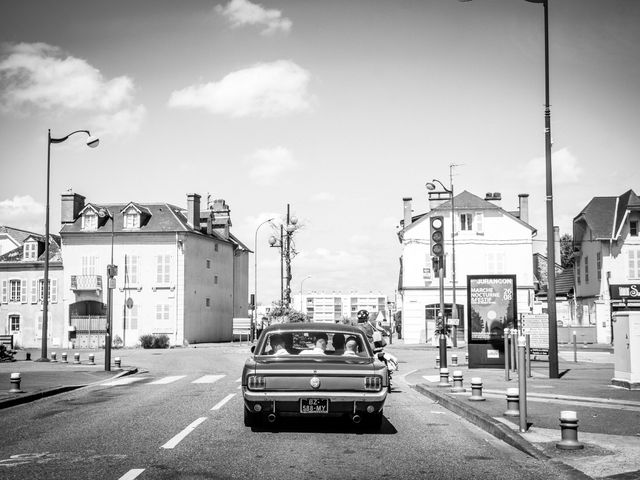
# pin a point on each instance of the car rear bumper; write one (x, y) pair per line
(339, 403)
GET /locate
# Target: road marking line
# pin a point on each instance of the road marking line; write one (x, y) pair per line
(208, 379)
(124, 381)
(431, 378)
(131, 474)
(165, 380)
(239, 379)
(218, 405)
(179, 437)
(408, 373)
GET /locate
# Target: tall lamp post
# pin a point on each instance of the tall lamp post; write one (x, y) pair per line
(551, 261)
(254, 317)
(92, 142)
(286, 233)
(301, 283)
(112, 272)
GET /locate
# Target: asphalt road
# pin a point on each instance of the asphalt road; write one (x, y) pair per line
(183, 419)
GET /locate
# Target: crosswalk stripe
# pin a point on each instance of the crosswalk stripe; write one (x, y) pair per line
(208, 379)
(179, 437)
(131, 474)
(166, 380)
(124, 381)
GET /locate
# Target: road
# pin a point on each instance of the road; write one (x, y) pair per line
(182, 418)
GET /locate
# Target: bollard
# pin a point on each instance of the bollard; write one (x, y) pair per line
(569, 431)
(522, 382)
(575, 348)
(466, 359)
(92, 359)
(53, 357)
(476, 390)
(444, 378)
(457, 382)
(15, 383)
(437, 361)
(507, 350)
(28, 356)
(454, 360)
(64, 357)
(76, 358)
(528, 348)
(117, 362)
(513, 403)
(514, 351)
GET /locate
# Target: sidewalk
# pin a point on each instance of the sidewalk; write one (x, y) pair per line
(608, 416)
(43, 379)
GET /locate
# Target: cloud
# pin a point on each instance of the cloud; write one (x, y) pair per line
(22, 212)
(269, 164)
(242, 12)
(262, 90)
(566, 168)
(122, 122)
(323, 197)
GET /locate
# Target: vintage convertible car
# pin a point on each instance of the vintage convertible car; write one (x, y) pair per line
(314, 370)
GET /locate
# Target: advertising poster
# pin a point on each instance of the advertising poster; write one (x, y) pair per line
(492, 307)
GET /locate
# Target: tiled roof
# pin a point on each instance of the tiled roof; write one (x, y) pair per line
(18, 235)
(17, 253)
(601, 212)
(564, 282)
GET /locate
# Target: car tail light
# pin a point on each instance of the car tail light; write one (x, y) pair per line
(373, 383)
(256, 382)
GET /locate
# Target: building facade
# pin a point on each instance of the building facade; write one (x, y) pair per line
(607, 260)
(488, 241)
(22, 288)
(339, 307)
(181, 273)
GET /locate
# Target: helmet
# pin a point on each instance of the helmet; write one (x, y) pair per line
(363, 316)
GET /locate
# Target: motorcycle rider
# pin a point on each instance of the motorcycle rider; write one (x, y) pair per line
(375, 336)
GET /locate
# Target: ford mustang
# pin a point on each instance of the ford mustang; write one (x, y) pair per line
(313, 370)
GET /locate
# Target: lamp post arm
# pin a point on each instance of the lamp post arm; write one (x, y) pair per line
(254, 317)
(62, 139)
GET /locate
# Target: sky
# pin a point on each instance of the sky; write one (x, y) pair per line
(339, 108)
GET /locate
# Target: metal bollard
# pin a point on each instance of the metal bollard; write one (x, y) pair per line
(476, 390)
(76, 358)
(466, 359)
(569, 431)
(92, 359)
(444, 378)
(15, 383)
(513, 403)
(64, 357)
(454, 360)
(457, 382)
(575, 348)
(117, 362)
(437, 361)
(54, 357)
(507, 351)
(28, 354)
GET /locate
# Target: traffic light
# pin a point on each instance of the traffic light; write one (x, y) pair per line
(437, 236)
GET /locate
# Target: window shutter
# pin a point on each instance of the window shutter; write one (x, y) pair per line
(53, 290)
(479, 219)
(23, 291)
(4, 298)
(34, 291)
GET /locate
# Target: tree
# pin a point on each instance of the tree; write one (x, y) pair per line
(281, 313)
(566, 250)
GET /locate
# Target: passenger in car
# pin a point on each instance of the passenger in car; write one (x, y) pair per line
(351, 348)
(338, 343)
(320, 345)
(278, 345)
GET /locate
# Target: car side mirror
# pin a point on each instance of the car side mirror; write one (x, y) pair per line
(253, 348)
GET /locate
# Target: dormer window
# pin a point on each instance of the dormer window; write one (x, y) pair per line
(90, 221)
(131, 219)
(31, 250)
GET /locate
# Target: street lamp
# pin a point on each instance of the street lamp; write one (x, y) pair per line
(551, 261)
(112, 271)
(286, 232)
(308, 276)
(92, 142)
(254, 317)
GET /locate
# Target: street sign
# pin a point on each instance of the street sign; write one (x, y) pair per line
(129, 303)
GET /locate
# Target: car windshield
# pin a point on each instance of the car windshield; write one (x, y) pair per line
(324, 343)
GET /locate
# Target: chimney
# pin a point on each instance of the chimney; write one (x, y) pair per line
(221, 217)
(523, 207)
(407, 211)
(556, 244)
(193, 210)
(72, 203)
(495, 198)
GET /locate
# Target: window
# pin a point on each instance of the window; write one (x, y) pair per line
(53, 290)
(163, 270)
(31, 251)
(215, 247)
(578, 273)
(495, 262)
(466, 221)
(90, 221)
(132, 269)
(586, 269)
(15, 290)
(131, 317)
(207, 302)
(634, 263)
(633, 228)
(14, 323)
(131, 219)
(215, 279)
(479, 218)
(89, 265)
(162, 315)
(599, 265)
(208, 263)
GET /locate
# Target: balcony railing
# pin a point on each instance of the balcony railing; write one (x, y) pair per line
(86, 282)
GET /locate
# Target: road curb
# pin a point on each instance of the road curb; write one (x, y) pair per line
(495, 428)
(20, 399)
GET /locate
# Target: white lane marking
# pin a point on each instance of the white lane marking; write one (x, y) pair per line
(219, 405)
(208, 379)
(179, 437)
(131, 474)
(431, 378)
(239, 379)
(165, 380)
(408, 373)
(124, 381)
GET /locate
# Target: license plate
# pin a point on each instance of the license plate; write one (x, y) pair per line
(314, 405)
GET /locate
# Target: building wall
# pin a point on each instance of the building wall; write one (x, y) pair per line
(332, 307)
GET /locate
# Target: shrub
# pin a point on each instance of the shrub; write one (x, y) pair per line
(146, 341)
(161, 341)
(117, 342)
